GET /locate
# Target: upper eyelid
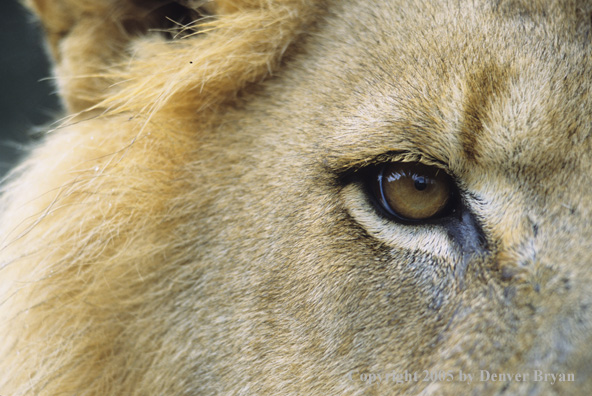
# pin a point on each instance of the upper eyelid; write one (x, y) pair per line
(394, 156)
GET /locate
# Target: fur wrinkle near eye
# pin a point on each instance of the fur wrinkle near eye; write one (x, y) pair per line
(411, 191)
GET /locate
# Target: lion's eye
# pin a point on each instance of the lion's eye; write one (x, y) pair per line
(411, 191)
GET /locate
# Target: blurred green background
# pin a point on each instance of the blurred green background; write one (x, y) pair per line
(27, 98)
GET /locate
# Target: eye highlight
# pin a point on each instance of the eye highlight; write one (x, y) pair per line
(411, 191)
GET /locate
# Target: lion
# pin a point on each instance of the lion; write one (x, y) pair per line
(298, 197)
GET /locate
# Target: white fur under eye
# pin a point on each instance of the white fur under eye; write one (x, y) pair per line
(431, 239)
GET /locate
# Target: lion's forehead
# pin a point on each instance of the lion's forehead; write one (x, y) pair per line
(463, 95)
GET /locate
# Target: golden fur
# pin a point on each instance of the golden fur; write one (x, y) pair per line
(198, 223)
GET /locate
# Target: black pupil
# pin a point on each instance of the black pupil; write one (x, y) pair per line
(420, 183)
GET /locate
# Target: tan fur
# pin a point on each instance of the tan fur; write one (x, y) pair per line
(198, 223)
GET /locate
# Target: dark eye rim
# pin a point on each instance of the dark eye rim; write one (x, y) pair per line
(373, 174)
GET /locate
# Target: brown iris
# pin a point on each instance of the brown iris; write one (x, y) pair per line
(413, 191)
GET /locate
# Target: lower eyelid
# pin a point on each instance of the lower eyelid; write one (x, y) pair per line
(431, 239)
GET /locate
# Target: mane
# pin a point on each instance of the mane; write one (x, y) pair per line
(207, 62)
(116, 173)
